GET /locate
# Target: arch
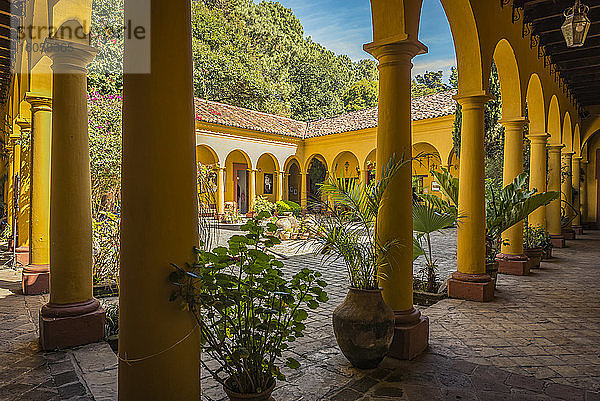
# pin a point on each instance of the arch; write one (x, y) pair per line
(346, 165)
(291, 159)
(267, 167)
(466, 45)
(508, 74)
(316, 156)
(536, 112)
(270, 156)
(591, 127)
(294, 181)
(426, 158)
(206, 155)
(554, 123)
(235, 153)
(567, 133)
(370, 160)
(73, 30)
(577, 140)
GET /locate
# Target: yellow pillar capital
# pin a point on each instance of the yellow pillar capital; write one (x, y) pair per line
(470, 101)
(38, 102)
(394, 51)
(539, 138)
(555, 148)
(514, 124)
(69, 57)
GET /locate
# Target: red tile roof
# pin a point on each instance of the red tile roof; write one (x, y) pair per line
(425, 107)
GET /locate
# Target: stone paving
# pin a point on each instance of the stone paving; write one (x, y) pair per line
(84, 373)
(539, 340)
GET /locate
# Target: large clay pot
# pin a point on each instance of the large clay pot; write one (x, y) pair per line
(263, 396)
(534, 255)
(364, 327)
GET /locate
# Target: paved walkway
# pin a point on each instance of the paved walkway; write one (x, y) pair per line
(539, 340)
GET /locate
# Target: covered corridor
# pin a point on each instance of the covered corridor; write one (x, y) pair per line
(540, 339)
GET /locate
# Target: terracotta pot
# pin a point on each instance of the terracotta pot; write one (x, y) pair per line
(364, 327)
(534, 255)
(263, 396)
(491, 268)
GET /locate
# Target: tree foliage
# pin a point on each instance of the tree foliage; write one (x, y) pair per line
(361, 95)
(256, 56)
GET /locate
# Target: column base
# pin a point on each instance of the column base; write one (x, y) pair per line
(590, 225)
(22, 255)
(558, 241)
(578, 230)
(568, 233)
(35, 279)
(411, 334)
(516, 265)
(64, 326)
(471, 287)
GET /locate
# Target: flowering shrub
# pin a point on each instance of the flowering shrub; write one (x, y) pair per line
(105, 245)
(105, 148)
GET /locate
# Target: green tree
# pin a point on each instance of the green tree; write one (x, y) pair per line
(428, 83)
(361, 95)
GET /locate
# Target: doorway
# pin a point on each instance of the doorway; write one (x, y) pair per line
(240, 187)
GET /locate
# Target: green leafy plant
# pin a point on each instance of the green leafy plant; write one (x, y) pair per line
(536, 237)
(246, 310)
(505, 206)
(284, 206)
(349, 232)
(105, 246)
(262, 204)
(509, 206)
(567, 213)
(427, 219)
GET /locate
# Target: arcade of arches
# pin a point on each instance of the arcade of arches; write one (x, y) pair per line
(45, 97)
(243, 147)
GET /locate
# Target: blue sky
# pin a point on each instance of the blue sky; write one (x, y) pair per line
(345, 25)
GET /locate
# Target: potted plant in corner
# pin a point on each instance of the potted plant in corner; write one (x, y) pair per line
(535, 239)
(246, 310)
(428, 219)
(507, 206)
(363, 323)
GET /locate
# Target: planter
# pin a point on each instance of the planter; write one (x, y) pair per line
(424, 298)
(491, 269)
(568, 233)
(534, 255)
(547, 254)
(364, 327)
(263, 396)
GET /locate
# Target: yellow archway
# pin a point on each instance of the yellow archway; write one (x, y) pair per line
(536, 112)
(554, 123)
(346, 165)
(510, 84)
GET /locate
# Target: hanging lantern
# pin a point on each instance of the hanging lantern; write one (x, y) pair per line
(576, 25)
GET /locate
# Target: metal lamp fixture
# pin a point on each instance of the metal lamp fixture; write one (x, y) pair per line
(576, 25)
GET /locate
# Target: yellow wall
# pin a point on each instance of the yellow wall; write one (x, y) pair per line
(591, 180)
(266, 165)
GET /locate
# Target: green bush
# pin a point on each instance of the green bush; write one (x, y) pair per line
(262, 204)
(288, 206)
(106, 246)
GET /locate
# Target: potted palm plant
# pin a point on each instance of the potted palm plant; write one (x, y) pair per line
(508, 206)
(247, 311)
(427, 219)
(363, 324)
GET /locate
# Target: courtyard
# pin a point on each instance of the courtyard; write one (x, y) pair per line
(538, 340)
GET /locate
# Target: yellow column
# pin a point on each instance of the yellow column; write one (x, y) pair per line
(394, 139)
(24, 169)
(583, 200)
(553, 208)
(303, 190)
(73, 316)
(251, 189)
(566, 188)
(10, 150)
(511, 258)
(220, 190)
(158, 343)
(280, 179)
(537, 174)
(576, 168)
(513, 166)
(470, 281)
(35, 276)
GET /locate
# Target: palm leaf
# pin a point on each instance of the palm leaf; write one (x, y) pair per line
(427, 220)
